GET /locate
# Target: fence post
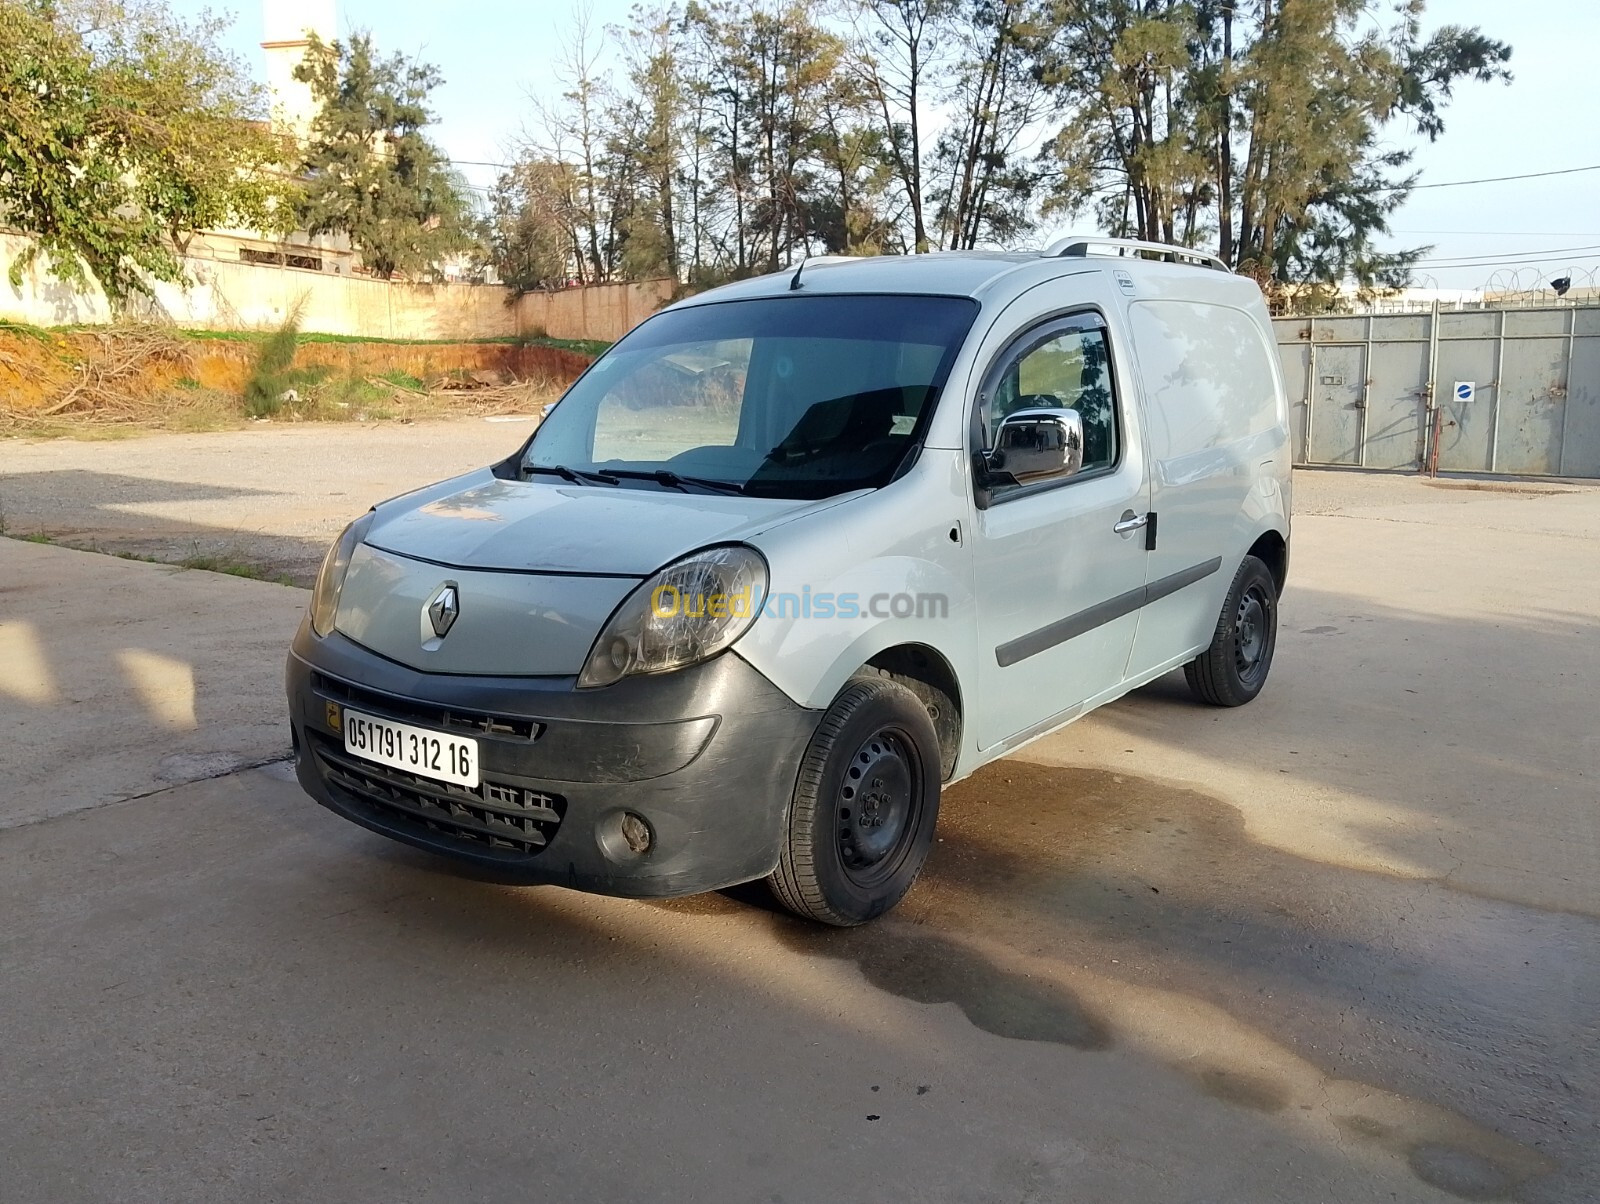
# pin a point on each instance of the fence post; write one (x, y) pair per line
(1311, 383)
(1366, 392)
(1566, 390)
(1499, 365)
(1431, 400)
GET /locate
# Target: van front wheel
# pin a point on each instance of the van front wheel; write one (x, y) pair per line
(1232, 671)
(864, 809)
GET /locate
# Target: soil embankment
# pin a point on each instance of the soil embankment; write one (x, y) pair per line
(153, 376)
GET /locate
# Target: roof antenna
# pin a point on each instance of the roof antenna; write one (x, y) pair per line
(794, 284)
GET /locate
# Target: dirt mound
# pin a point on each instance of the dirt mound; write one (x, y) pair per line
(35, 368)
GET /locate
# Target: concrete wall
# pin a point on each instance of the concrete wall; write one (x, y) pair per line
(602, 311)
(239, 296)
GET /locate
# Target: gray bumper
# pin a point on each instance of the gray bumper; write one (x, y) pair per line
(707, 756)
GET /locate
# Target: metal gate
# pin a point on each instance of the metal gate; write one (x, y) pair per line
(1508, 390)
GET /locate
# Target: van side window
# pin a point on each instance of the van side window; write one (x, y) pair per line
(1070, 371)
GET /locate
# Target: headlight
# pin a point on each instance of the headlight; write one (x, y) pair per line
(688, 612)
(330, 577)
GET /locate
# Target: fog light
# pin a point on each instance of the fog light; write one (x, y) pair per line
(636, 832)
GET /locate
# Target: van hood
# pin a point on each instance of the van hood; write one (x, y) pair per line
(480, 521)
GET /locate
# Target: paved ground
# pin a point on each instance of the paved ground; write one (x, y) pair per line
(274, 495)
(1340, 945)
(120, 679)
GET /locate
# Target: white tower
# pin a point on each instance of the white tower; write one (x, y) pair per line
(287, 26)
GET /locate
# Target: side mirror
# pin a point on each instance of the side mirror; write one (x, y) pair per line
(1036, 445)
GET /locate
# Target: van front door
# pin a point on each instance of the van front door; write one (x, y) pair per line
(1060, 565)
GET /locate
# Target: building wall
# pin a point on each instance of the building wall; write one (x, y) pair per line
(238, 296)
(601, 311)
(285, 25)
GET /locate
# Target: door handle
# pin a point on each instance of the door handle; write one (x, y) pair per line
(1131, 522)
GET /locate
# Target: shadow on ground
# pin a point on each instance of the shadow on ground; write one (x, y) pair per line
(92, 511)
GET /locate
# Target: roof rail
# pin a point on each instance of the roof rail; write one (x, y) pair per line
(1076, 246)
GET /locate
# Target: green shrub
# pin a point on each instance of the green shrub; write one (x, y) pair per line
(274, 380)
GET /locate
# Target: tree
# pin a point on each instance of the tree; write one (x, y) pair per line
(1264, 120)
(899, 55)
(571, 130)
(995, 99)
(123, 131)
(1317, 185)
(649, 135)
(787, 67)
(371, 172)
(531, 238)
(850, 211)
(746, 134)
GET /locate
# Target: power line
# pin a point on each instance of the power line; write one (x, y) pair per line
(1499, 257)
(1511, 261)
(1510, 233)
(1530, 175)
(1503, 254)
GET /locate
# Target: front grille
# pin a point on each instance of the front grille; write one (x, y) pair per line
(498, 817)
(408, 710)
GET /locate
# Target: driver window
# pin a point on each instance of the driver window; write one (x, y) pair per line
(1068, 372)
(690, 398)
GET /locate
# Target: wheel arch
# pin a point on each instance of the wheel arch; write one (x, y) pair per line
(1272, 549)
(926, 672)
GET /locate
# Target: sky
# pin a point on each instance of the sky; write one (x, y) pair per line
(1518, 233)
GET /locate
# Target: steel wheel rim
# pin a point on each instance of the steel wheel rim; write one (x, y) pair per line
(877, 808)
(1251, 635)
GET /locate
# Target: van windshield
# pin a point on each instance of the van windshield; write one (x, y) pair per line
(789, 397)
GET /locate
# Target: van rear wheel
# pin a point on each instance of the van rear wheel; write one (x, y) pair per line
(1232, 671)
(864, 808)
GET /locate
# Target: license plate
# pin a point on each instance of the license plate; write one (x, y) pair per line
(414, 749)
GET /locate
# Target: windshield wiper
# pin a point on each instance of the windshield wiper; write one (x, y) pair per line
(673, 480)
(576, 476)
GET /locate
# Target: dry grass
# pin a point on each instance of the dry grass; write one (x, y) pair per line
(115, 379)
(130, 379)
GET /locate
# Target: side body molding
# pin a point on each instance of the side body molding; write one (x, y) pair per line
(1101, 613)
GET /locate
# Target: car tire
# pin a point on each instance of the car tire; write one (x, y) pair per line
(1232, 671)
(865, 805)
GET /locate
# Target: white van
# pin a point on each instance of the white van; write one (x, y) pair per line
(799, 551)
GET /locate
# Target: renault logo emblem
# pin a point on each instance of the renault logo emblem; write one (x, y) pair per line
(444, 608)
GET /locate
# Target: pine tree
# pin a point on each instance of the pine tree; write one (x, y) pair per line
(371, 172)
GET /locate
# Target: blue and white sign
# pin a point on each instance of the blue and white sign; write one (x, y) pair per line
(1466, 390)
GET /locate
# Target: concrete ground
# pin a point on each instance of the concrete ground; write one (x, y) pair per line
(1339, 945)
(273, 496)
(119, 680)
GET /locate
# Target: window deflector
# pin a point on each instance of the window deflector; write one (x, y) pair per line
(1020, 346)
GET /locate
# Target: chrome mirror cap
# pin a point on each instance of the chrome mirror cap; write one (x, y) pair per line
(1038, 445)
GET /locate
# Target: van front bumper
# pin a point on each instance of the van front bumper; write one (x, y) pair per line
(706, 757)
